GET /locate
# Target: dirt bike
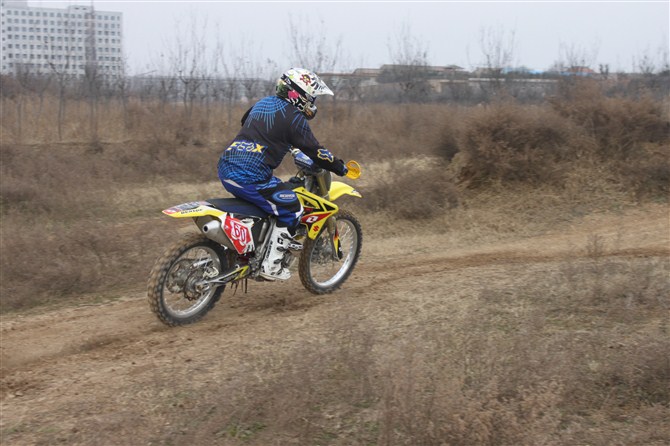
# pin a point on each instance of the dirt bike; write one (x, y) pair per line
(189, 278)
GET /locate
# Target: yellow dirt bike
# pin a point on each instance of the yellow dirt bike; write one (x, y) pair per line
(189, 278)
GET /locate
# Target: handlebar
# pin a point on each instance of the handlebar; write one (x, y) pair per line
(304, 162)
(307, 165)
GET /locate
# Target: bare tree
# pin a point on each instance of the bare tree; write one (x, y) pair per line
(254, 73)
(227, 77)
(497, 46)
(61, 62)
(664, 58)
(160, 78)
(312, 49)
(648, 63)
(409, 68)
(575, 58)
(188, 61)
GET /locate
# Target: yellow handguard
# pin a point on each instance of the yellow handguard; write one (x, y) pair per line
(354, 170)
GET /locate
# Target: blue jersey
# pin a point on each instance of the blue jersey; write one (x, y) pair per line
(269, 130)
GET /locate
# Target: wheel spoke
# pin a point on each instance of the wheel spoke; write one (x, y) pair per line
(324, 269)
(183, 295)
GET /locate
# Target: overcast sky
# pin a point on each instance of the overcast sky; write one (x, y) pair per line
(617, 33)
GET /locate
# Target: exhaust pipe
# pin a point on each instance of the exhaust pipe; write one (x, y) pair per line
(212, 229)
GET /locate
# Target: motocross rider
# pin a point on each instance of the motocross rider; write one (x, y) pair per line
(270, 129)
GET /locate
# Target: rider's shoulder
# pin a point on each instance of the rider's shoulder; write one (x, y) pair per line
(267, 106)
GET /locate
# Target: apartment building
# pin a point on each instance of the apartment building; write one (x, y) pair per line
(61, 41)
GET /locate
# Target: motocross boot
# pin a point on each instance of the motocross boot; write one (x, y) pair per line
(281, 242)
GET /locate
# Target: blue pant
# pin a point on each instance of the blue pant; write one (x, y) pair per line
(274, 197)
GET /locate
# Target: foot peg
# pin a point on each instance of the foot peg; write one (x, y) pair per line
(294, 246)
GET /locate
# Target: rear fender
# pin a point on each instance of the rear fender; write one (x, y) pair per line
(217, 225)
(193, 209)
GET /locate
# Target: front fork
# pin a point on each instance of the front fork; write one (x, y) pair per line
(331, 226)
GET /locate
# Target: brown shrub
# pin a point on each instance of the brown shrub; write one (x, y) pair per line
(44, 262)
(412, 193)
(647, 171)
(618, 125)
(382, 131)
(47, 179)
(508, 143)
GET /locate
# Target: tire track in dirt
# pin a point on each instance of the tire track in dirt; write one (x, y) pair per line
(63, 333)
(131, 314)
(397, 270)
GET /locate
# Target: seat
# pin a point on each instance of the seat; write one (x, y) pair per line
(237, 206)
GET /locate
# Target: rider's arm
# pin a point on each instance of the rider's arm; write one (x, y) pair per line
(302, 137)
(246, 115)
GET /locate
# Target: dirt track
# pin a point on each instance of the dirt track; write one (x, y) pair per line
(101, 374)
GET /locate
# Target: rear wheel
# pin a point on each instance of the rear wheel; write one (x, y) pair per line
(320, 271)
(176, 291)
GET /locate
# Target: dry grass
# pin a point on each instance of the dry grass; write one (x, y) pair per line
(570, 352)
(94, 204)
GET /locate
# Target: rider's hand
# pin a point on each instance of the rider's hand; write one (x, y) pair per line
(340, 168)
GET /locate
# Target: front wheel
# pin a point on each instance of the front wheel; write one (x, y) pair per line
(178, 293)
(321, 272)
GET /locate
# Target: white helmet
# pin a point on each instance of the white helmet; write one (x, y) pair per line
(301, 87)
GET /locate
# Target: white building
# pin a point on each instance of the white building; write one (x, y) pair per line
(61, 41)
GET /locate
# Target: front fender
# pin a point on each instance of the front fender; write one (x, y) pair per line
(337, 189)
